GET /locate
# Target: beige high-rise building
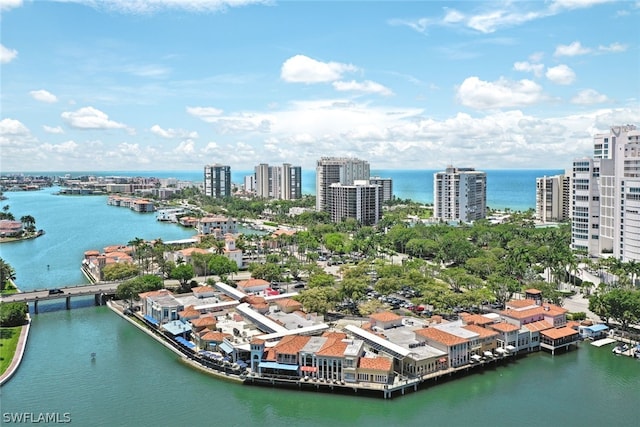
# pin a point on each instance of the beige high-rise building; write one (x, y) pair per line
(460, 194)
(553, 198)
(278, 182)
(337, 170)
(360, 200)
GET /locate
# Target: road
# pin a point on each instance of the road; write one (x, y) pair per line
(43, 294)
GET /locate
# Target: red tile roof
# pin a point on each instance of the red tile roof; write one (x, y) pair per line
(520, 303)
(291, 344)
(441, 336)
(483, 332)
(385, 316)
(332, 348)
(540, 325)
(556, 333)
(504, 327)
(375, 363)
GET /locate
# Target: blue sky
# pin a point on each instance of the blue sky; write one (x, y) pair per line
(177, 84)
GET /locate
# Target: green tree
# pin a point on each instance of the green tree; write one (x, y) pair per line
(13, 314)
(319, 299)
(183, 273)
(29, 223)
(321, 280)
(119, 271)
(222, 266)
(7, 273)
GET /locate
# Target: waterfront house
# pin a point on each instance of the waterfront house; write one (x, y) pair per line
(9, 228)
(558, 338)
(188, 313)
(375, 370)
(217, 225)
(593, 332)
(456, 348)
(203, 322)
(487, 340)
(160, 307)
(207, 339)
(507, 334)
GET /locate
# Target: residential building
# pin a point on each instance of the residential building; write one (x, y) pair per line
(217, 181)
(360, 200)
(218, 225)
(460, 194)
(278, 182)
(387, 187)
(337, 170)
(606, 203)
(553, 198)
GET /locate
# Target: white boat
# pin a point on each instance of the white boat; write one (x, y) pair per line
(620, 348)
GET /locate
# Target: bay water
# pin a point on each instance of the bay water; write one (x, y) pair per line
(134, 381)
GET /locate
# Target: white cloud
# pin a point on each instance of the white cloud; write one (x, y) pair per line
(525, 66)
(205, 113)
(43, 96)
(572, 49)
(453, 16)
(67, 147)
(186, 147)
(366, 86)
(10, 127)
(562, 74)
(172, 133)
(90, 118)
(156, 6)
(9, 4)
(302, 69)
(613, 48)
(480, 94)
(7, 55)
(556, 5)
(589, 97)
(492, 21)
(54, 130)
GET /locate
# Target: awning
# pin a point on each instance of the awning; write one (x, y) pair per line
(308, 369)
(476, 357)
(226, 348)
(488, 354)
(442, 360)
(276, 365)
(185, 343)
(510, 348)
(501, 350)
(151, 320)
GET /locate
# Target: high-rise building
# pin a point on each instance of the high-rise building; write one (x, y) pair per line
(387, 187)
(460, 194)
(605, 216)
(278, 182)
(360, 200)
(553, 198)
(337, 170)
(217, 181)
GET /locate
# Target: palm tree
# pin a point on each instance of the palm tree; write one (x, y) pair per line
(29, 223)
(7, 273)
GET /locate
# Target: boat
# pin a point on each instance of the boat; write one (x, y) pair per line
(620, 349)
(636, 352)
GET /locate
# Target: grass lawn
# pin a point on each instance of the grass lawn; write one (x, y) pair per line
(8, 343)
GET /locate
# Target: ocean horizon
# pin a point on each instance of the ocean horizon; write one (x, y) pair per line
(513, 189)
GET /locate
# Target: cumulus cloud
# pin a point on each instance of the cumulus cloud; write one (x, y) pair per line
(205, 113)
(366, 86)
(480, 94)
(302, 69)
(54, 130)
(7, 55)
(63, 148)
(12, 127)
(43, 96)
(589, 97)
(529, 67)
(492, 21)
(90, 118)
(562, 75)
(172, 133)
(572, 49)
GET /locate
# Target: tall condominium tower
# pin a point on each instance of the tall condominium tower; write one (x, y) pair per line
(278, 182)
(460, 194)
(217, 180)
(361, 201)
(605, 216)
(337, 170)
(553, 198)
(387, 187)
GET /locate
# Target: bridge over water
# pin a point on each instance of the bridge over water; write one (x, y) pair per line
(101, 291)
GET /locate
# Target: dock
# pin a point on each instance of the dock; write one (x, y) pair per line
(603, 341)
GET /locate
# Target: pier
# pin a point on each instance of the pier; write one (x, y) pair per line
(100, 291)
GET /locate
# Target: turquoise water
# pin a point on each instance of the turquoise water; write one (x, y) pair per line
(136, 381)
(506, 188)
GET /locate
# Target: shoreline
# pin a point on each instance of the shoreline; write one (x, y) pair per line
(18, 354)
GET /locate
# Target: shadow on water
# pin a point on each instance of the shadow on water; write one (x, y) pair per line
(60, 304)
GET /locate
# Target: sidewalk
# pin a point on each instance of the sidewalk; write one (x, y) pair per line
(19, 353)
